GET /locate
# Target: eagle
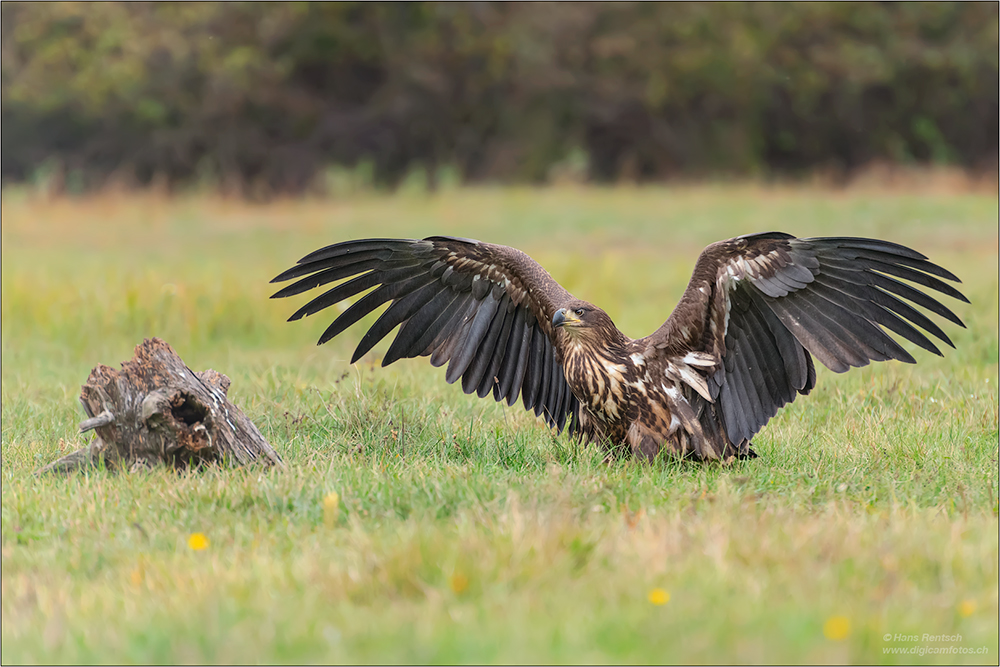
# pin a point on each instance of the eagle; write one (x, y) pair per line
(738, 346)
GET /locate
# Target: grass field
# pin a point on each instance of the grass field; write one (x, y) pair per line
(466, 532)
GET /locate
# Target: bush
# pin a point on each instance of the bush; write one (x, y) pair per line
(263, 97)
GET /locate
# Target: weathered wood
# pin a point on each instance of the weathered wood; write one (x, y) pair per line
(156, 410)
(102, 419)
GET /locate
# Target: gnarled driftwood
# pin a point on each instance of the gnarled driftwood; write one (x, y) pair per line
(157, 410)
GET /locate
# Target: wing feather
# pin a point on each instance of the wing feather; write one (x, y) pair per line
(421, 329)
(557, 390)
(491, 375)
(897, 270)
(408, 297)
(870, 311)
(849, 279)
(450, 334)
(823, 336)
(746, 372)
(569, 411)
(472, 338)
(533, 371)
(483, 357)
(545, 381)
(735, 400)
(359, 263)
(512, 371)
(767, 360)
(859, 334)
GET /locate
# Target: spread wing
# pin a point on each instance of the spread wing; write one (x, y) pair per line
(485, 310)
(757, 306)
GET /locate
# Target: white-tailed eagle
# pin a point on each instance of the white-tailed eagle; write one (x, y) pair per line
(737, 347)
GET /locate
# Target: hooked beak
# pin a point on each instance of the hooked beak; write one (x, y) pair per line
(563, 317)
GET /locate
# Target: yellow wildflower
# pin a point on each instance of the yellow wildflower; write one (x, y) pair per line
(659, 597)
(458, 582)
(966, 608)
(331, 506)
(197, 541)
(837, 628)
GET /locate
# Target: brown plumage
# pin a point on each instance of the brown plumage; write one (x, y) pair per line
(737, 347)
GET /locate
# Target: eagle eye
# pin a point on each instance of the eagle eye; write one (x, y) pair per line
(580, 311)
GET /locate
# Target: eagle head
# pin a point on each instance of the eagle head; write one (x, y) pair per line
(582, 319)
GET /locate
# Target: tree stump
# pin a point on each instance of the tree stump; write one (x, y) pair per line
(157, 410)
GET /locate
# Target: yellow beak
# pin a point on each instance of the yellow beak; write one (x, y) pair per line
(563, 317)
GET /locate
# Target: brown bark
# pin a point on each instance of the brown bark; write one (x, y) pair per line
(157, 410)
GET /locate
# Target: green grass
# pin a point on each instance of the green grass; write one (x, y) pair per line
(467, 532)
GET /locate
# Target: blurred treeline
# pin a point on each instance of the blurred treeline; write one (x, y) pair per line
(263, 97)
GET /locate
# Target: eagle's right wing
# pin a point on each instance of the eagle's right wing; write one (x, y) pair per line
(484, 309)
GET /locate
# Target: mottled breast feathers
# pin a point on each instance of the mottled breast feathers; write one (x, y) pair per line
(737, 347)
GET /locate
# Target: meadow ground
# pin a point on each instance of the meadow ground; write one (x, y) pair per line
(467, 532)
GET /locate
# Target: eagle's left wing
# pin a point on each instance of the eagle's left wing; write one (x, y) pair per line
(758, 305)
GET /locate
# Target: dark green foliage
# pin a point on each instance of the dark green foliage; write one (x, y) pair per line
(264, 97)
